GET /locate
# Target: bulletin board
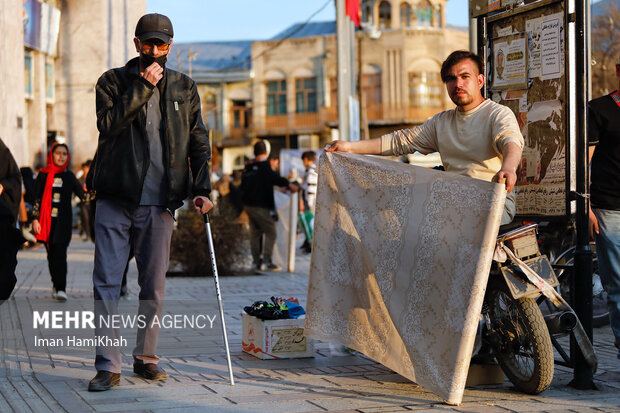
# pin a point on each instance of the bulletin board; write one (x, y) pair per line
(526, 71)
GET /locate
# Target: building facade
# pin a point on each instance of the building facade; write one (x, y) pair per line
(56, 50)
(285, 89)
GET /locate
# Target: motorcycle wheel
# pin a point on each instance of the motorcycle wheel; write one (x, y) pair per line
(522, 345)
(600, 311)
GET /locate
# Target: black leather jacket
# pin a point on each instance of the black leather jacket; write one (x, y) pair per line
(122, 151)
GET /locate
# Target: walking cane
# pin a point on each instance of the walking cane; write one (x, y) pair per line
(217, 289)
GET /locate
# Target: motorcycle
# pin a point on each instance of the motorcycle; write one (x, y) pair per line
(557, 240)
(513, 329)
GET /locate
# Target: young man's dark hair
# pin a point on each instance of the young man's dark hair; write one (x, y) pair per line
(310, 155)
(455, 57)
(260, 148)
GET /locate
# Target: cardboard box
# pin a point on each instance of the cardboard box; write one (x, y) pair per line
(275, 339)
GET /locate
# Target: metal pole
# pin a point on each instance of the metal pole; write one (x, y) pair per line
(582, 280)
(292, 230)
(217, 290)
(344, 69)
(473, 32)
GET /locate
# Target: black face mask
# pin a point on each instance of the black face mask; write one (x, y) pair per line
(147, 60)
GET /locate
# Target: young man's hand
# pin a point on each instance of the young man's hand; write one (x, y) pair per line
(338, 146)
(508, 176)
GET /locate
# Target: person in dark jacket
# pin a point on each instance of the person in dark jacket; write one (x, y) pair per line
(257, 184)
(52, 223)
(150, 134)
(10, 236)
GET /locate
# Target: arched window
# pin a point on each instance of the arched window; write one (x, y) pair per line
(371, 88)
(425, 90)
(405, 15)
(385, 15)
(425, 13)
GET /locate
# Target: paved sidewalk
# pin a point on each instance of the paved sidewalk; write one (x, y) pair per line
(38, 380)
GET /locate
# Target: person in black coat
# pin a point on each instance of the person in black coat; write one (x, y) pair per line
(54, 188)
(10, 236)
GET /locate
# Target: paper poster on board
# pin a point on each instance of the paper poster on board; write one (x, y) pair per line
(551, 46)
(532, 29)
(510, 64)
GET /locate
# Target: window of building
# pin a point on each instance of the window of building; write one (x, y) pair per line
(385, 15)
(425, 13)
(405, 15)
(371, 84)
(276, 97)
(425, 90)
(239, 162)
(333, 91)
(29, 74)
(241, 114)
(305, 95)
(210, 111)
(367, 14)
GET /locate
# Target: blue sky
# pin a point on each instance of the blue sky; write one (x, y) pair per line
(208, 20)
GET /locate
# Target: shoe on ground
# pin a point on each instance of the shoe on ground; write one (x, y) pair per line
(104, 380)
(124, 292)
(61, 296)
(273, 267)
(150, 371)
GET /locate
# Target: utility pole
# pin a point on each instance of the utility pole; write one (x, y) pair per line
(179, 61)
(473, 32)
(190, 56)
(582, 280)
(346, 76)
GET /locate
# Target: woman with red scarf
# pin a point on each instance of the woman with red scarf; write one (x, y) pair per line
(54, 188)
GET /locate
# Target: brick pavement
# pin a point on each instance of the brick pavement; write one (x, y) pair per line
(33, 379)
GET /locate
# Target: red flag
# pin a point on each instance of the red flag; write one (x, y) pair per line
(352, 9)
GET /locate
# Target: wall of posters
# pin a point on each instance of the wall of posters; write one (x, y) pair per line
(539, 103)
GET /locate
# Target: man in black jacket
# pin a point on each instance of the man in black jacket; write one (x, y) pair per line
(10, 237)
(257, 185)
(150, 133)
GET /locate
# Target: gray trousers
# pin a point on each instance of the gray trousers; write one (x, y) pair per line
(149, 230)
(261, 223)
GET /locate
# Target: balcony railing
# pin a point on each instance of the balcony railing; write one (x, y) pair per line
(305, 122)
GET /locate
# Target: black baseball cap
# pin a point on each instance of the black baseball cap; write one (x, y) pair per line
(154, 26)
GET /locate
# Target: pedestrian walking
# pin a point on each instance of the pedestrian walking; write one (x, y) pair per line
(604, 138)
(150, 134)
(53, 217)
(308, 197)
(10, 236)
(257, 184)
